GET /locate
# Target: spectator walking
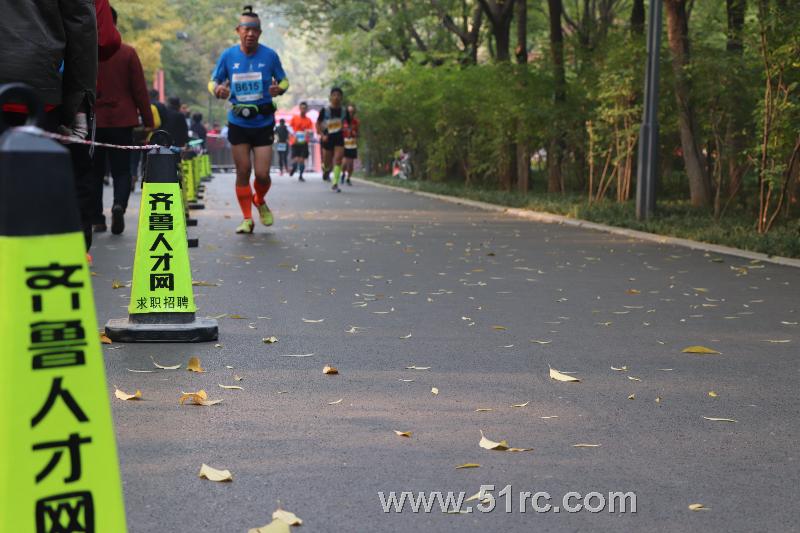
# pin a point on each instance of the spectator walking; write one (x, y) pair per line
(120, 102)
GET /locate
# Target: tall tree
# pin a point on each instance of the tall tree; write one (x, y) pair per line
(637, 17)
(555, 154)
(678, 32)
(500, 14)
(523, 160)
(468, 31)
(737, 121)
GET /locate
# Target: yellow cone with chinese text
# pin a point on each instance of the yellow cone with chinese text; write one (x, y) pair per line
(58, 459)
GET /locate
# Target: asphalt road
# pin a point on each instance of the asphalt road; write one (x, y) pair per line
(487, 302)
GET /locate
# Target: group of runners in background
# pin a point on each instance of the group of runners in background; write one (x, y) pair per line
(250, 75)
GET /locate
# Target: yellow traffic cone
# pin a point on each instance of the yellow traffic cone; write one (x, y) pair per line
(58, 458)
(162, 305)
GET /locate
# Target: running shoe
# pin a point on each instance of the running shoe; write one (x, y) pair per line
(336, 188)
(301, 178)
(246, 227)
(265, 214)
(348, 180)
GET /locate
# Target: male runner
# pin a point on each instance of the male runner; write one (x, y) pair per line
(330, 126)
(282, 133)
(250, 75)
(302, 134)
(351, 128)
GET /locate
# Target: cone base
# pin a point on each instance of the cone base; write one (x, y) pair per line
(191, 222)
(200, 330)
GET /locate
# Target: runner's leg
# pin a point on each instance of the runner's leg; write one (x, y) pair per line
(262, 156)
(244, 194)
(338, 156)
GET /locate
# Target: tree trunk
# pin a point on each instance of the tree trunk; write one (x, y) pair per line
(521, 51)
(678, 31)
(555, 153)
(637, 17)
(734, 138)
(500, 14)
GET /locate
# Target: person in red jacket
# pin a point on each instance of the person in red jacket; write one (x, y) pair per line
(71, 35)
(121, 99)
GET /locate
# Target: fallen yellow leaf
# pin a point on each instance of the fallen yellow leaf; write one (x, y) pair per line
(276, 526)
(468, 465)
(521, 404)
(492, 445)
(104, 339)
(125, 396)
(632, 397)
(701, 350)
(483, 410)
(287, 517)
(558, 376)
(194, 365)
(435, 391)
(477, 496)
(197, 398)
(698, 507)
(620, 369)
(337, 402)
(634, 379)
(712, 394)
(116, 284)
(308, 321)
(415, 367)
(582, 445)
(237, 377)
(162, 367)
(331, 370)
(212, 474)
(633, 291)
(406, 434)
(230, 387)
(269, 340)
(499, 328)
(714, 419)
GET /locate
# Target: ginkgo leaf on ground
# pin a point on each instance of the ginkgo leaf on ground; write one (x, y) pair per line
(162, 367)
(715, 419)
(468, 465)
(406, 434)
(229, 387)
(125, 396)
(559, 376)
(197, 398)
(492, 445)
(116, 284)
(698, 507)
(269, 340)
(330, 370)
(276, 526)
(478, 497)
(287, 517)
(194, 365)
(701, 350)
(212, 474)
(104, 339)
(712, 394)
(434, 391)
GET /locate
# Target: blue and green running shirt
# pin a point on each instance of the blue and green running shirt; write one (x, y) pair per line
(250, 77)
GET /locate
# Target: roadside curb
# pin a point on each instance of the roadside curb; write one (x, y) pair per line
(549, 218)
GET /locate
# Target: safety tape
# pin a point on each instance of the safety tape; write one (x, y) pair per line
(38, 132)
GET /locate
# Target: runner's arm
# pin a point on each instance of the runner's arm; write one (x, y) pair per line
(219, 76)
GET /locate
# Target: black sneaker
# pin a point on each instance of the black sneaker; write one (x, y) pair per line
(301, 178)
(336, 188)
(99, 228)
(348, 181)
(117, 219)
(326, 176)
